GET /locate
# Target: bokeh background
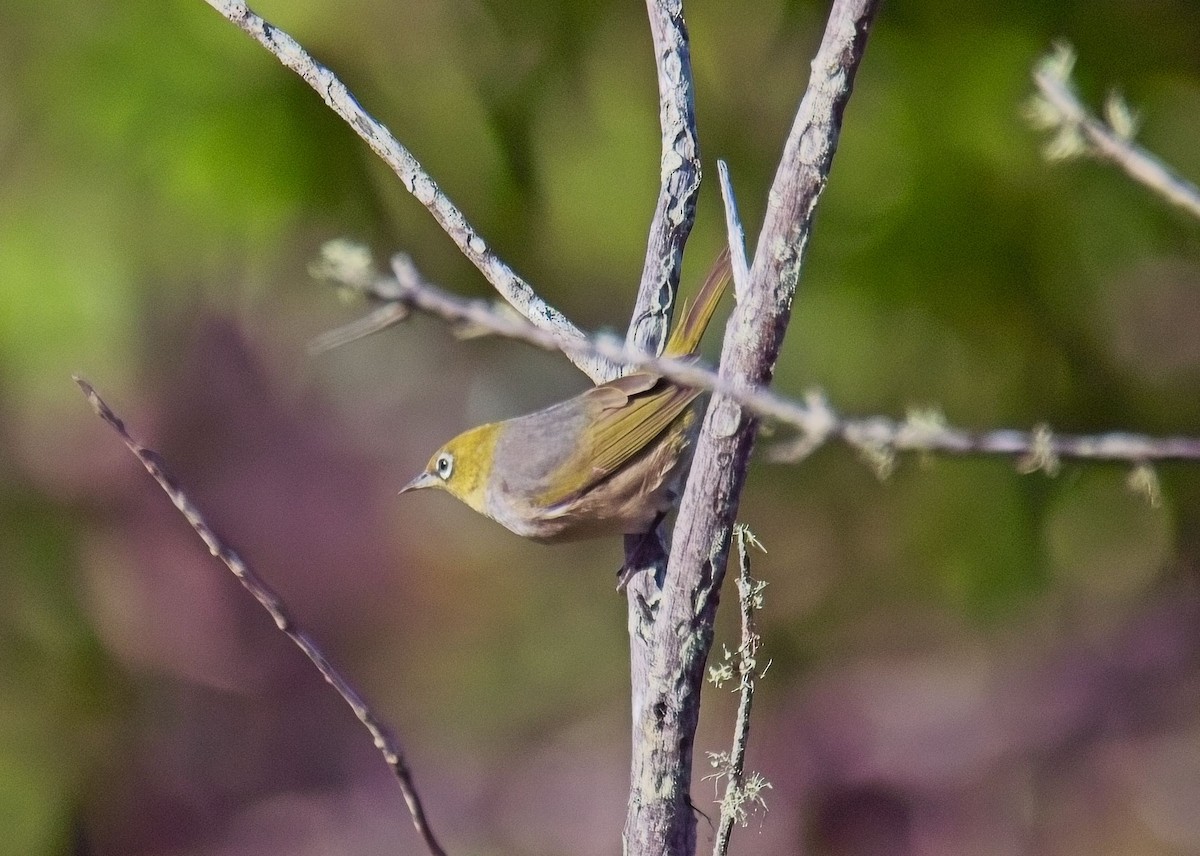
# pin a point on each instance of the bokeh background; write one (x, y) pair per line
(964, 660)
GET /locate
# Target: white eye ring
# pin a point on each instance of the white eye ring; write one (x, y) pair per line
(444, 466)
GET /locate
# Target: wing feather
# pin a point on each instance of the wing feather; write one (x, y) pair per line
(635, 410)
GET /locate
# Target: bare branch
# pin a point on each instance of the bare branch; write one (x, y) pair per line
(691, 589)
(1039, 449)
(385, 316)
(740, 791)
(413, 176)
(878, 438)
(736, 235)
(680, 177)
(1077, 131)
(384, 740)
(645, 556)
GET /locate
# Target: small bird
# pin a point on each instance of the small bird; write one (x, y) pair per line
(605, 462)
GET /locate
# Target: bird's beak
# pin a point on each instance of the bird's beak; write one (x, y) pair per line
(425, 479)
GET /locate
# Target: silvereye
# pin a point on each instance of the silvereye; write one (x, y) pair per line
(605, 462)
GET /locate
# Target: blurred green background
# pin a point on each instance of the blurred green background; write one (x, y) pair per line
(964, 660)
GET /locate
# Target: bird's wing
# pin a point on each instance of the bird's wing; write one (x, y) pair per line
(633, 411)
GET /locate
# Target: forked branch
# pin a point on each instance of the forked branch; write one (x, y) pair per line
(660, 818)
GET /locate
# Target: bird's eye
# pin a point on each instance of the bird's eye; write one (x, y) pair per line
(444, 465)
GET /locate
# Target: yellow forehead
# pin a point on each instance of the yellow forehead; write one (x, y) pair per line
(471, 456)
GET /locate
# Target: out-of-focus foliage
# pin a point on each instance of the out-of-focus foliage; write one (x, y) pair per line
(964, 659)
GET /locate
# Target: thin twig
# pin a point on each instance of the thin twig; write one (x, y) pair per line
(733, 767)
(413, 176)
(388, 315)
(879, 438)
(1078, 131)
(1039, 449)
(384, 740)
(736, 235)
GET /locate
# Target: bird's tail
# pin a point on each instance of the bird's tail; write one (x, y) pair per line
(695, 314)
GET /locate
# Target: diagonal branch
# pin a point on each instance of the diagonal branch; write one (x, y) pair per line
(413, 176)
(1077, 131)
(384, 740)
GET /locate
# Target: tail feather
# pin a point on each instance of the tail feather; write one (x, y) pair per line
(695, 314)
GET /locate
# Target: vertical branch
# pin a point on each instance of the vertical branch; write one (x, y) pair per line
(680, 172)
(735, 234)
(737, 793)
(674, 214)
(660, 818)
